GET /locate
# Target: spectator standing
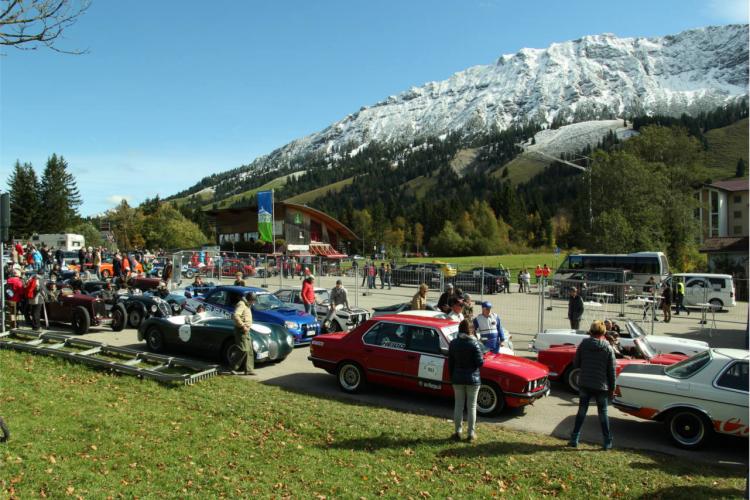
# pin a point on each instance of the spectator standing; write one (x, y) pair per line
(37, 258)
(419, 301)
(46, 258)
(96, 260)
(546, 271)
(19, 253)
(365, 272)
(526, 281)
(464, 361)
(381, 275)
(243, 321)
(238, 279)
(575, 308)
(34, 301)
(81, 258)
(59, 257)
(308, 295)
(680, 296)
(388, 270)
(13, 294)
(666, 302)
(445, 297)
(488, 328)
(166, 274)
(538, 273)
(596, 360)
(468, 309)
(117, 266)
(371, 271)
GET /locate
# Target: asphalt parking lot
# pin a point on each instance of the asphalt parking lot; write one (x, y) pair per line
(553, 415)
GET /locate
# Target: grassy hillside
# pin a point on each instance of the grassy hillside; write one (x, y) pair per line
(725, 146)
(314, 194)
(522, 168)
(273, 184)
(205, 196)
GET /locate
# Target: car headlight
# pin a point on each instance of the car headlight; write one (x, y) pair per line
(290, 339)
(291, 324)
(153, 308)
(256, 346)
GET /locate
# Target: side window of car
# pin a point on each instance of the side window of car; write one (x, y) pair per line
(218, 298)
(424, 340)
(297, 297)
(735, 377)
(695, 284)
(284, 295)
(386, 335)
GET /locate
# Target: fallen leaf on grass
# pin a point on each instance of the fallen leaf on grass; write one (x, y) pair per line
(69, 490)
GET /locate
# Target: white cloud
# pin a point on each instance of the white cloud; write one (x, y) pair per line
(116, 199)
(730, 11)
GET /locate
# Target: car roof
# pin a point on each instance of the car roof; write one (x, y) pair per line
(733, 353)
(707, 275)
(415, 320)
(242, 289)
(299, 288)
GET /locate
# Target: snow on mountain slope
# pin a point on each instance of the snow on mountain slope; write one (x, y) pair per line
(593, 78)
(576, 136)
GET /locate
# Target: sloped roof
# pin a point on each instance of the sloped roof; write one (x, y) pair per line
(732, 185)
(725, 245)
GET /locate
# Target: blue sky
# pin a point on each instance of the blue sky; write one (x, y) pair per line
(171, 91)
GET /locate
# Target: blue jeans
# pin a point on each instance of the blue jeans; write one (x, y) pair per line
(310, 309)
(602, 400)
(465, 395)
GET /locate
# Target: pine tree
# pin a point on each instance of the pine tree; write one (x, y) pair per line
(741, 168)
(24, 200)
(59, 195)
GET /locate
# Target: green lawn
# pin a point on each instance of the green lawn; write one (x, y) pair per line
(725, 146)
(86, 434)
(513, 262)
(314, 194)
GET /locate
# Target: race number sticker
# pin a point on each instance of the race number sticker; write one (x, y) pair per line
(184, 333)
(431, 368)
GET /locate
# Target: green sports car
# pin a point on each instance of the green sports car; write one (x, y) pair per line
(207, 334)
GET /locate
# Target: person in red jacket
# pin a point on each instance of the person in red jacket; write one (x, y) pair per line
(13, 294)
(308, 294)
(538, 273)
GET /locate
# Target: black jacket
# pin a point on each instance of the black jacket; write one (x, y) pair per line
(596, 359)
(575, 307)
(464, 360)
(442, 304)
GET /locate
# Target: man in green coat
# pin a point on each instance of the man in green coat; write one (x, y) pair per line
(243, 320)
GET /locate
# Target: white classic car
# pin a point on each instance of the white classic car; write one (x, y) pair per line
(631, 331)
(696, 397)
(343, 319)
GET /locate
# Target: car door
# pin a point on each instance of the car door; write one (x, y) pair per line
(426, 368)
(728, 406)
(695, 291)
(384, 353)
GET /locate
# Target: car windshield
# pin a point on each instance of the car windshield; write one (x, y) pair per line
(690, 366)
(202, 316)
(321, 296)
(635, 331)
(451, 332)
(266, 301)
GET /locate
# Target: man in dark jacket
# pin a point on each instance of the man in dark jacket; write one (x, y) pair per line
(596, 361)
(575, 308)
(445, 297)
(464, 360)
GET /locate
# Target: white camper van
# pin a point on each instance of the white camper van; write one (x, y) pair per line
(704, 288)
(67, 242)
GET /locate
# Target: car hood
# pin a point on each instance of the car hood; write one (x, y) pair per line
(514, 365)
(663, 339)
(285, 314)
(643, 369)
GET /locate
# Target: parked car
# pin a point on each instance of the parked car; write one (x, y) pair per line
(343, 319)
(400, 307)
(499, 272)
(410, 352)
(617, 282)
(83, 311)
(559, 359)
(210, 334)
(703, 288)
(661, 344)
(695, 398)
(476, 282)
(416, 274)
(267, 309)
(230, 268)
(144, 306)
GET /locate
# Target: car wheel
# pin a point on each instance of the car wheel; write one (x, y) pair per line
(119, 317)
(105, 274)
(571, 378)
(158, 273)
(336, 327)
(81, 320)
(189, 274)
(231, 354)
(351, 377)
(135, 317)
(490, 399)
(688, 429)
(155, 339)
(716, 304)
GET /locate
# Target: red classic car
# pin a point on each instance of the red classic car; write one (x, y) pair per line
(411, 352)
(84, 311)
(230, 268)
(559, 359)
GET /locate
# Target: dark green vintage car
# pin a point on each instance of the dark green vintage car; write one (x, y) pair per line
(207, 334)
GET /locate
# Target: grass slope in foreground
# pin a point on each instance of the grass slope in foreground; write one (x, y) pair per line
(78, 432)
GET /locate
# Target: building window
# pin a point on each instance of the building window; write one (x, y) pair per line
(714, 214)
(737, 214)
(738, 198)
(737, 230)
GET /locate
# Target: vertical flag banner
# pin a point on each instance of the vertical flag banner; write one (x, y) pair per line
(265, 216)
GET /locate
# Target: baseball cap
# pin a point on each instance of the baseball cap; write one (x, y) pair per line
(486, 304)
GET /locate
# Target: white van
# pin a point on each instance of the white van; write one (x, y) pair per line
(701, 288)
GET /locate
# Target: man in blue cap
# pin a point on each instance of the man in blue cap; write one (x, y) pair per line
(488, 328)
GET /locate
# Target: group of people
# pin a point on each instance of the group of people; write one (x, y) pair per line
(370, 272)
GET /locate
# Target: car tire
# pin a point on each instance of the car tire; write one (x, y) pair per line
(688, 428)
(490, 399)
(105, 274)
(81, 320)
(119, 318)
(571, 378)
(189, 274)
(231, 354)
(135, 317)
(155, 339)
(351, 377)
(335, 327)
(158, 273)
(717, 304)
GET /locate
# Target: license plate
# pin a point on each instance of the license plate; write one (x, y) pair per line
(310, 333)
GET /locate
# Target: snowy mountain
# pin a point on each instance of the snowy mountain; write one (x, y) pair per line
(593, 78)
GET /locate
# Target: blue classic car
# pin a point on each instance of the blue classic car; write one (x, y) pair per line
(267, 309)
